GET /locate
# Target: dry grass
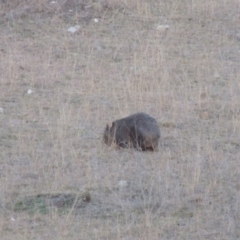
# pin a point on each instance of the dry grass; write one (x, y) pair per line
(187, 77)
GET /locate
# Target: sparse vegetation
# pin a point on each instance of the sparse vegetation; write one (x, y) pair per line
(177, 61)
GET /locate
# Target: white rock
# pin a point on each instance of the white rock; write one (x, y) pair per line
(29, 91)
(96, 20)
(74, 29)
(123, 183)
(52, 2)
(162, 27)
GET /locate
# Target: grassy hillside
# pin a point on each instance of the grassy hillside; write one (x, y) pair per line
(175, 60)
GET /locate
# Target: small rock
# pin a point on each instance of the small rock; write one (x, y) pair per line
(29, 91)
(74, 29)
(162, 27)
(122, 183)
(96, 20)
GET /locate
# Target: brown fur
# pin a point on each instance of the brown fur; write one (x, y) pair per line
(139, 131)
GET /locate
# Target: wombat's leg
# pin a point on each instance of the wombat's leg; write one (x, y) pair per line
(153, 145)
(123, 143)
(137, 143)
(134, 139)
(148, 145)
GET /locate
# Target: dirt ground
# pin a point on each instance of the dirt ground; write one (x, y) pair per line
(175, 60)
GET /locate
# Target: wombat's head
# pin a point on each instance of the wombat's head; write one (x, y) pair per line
(109, 134)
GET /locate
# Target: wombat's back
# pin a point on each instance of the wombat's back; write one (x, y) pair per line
(146, 131)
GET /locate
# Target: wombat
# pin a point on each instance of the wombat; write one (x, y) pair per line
(139, 131)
